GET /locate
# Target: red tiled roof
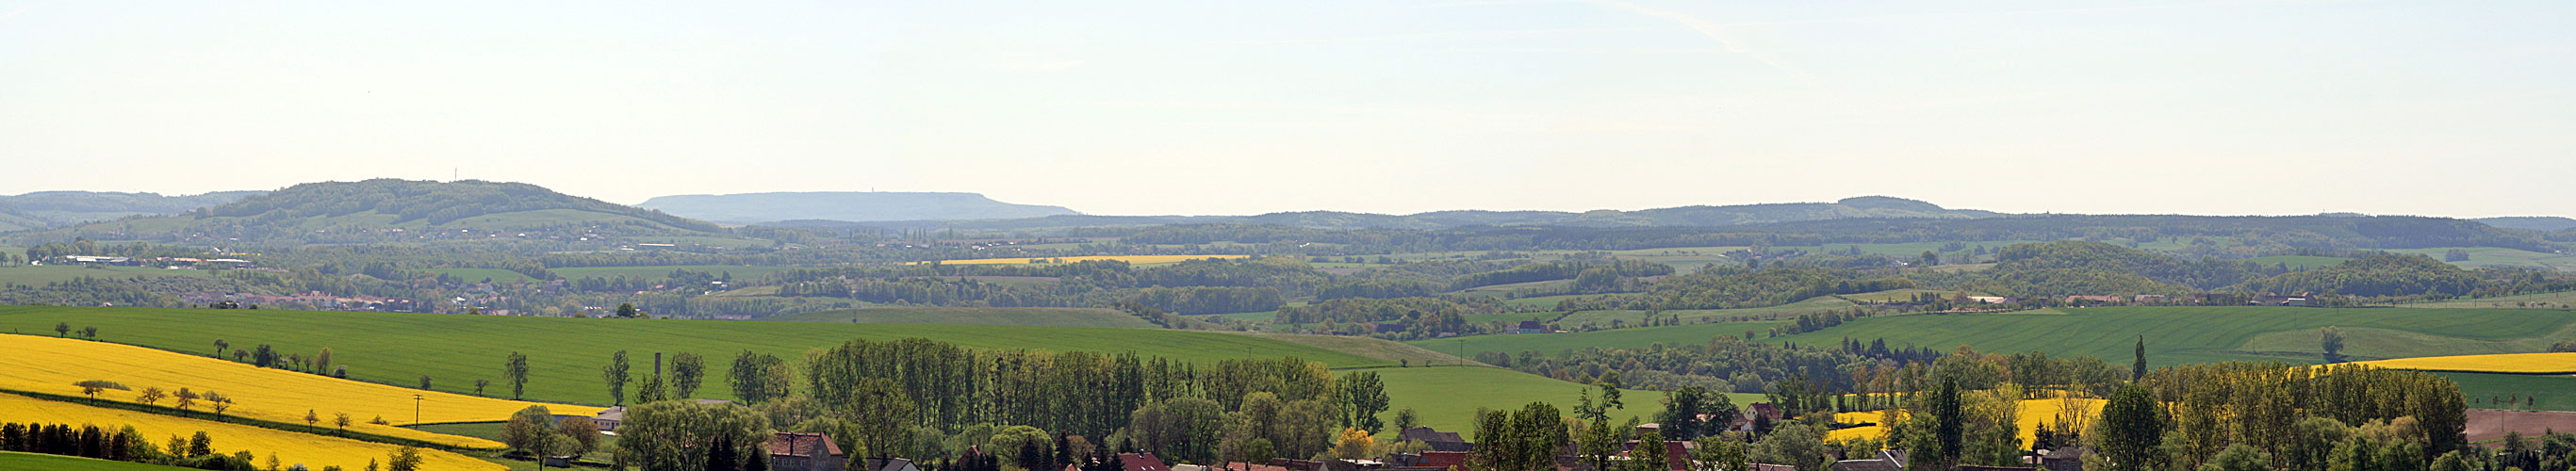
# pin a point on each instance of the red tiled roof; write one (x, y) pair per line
(802, 444)
(1444, 459)
(1142, 462)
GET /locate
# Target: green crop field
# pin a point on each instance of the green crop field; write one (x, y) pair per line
(1447, 397)
(1029, 316)
(480, 274)
(1469, 346)
(2519, 392)
(2299, 262)
(565, 354)
(41, 274)
(660, 272)
(32, 461)
(2558, 300)
(2183, 335)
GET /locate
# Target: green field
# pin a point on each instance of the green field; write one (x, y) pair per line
(1028, 316)
(1447, 397)
(2183, 335)
(1692, 334)
(2299, 262)
(565, 354)
(660, 272)
(32, 461)
(41, 274)
(479, 274)
(2491, 391)
(2502, 257)
(2558, 300)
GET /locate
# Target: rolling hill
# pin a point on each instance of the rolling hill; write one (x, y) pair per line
(1687, 216)
(2537, 223)
(389, 209)
(46, 209)
(749, 208)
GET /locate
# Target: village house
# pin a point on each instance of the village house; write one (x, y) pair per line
(805, 452)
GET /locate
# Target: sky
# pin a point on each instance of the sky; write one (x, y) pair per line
(1390, 106)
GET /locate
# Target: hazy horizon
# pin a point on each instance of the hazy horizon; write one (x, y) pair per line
(1139, 107)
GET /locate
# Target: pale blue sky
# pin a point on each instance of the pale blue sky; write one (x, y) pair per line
(1221, 107)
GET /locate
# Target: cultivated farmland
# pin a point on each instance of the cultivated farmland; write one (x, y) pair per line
(51, 365)
(1027, 316)
(314, 451)
(2187, 335)
(1133, 259)
(1687, 334)
(565, 354)
(2033, 413)
(2516, 363)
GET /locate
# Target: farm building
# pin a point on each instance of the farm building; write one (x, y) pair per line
(1435, 439)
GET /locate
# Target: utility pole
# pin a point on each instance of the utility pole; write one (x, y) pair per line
(415, 409)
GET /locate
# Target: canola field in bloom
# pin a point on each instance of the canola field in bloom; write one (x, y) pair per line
(314, 451)
(2518, 363)
(2033, 413)
(1134, 259)
(50, 365)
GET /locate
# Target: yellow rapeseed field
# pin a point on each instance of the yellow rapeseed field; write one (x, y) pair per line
(50, 365)
(314, 451)
(2033, 413)
(1135, 259)
(2528, 363)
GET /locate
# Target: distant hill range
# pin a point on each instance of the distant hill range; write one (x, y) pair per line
(2537, 223)
(382, 209)
(754, 208)
(45, 209)
(1686, 216)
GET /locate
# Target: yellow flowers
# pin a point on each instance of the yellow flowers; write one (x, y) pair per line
(52, 366)
(1135, 259)
(2033, 413)
(2525, 363)
(314, 451)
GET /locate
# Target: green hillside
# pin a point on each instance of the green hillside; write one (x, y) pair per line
(368, 211)
(2299, 262)
(2182, 335)
(1026, 316)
